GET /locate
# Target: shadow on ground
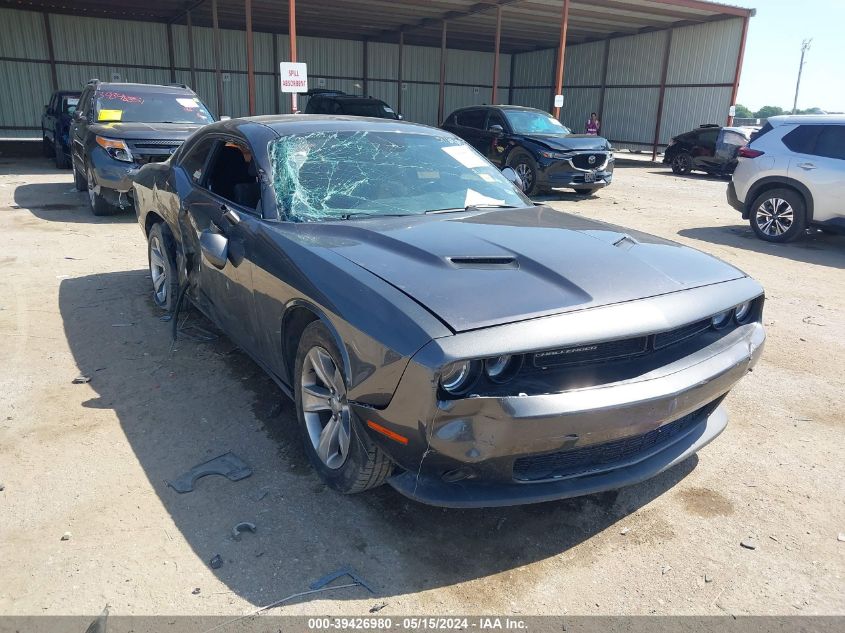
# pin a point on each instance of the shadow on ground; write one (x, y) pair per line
(61, 202)
(697, 175)
(181, 405)
(815, 248)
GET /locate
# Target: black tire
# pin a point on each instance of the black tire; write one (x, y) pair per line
(60, 156)
(78, 179)
(99, 206)
(787, 211)
(522, 163)
(365, 465)
(161, 257)
(46, 146)
(682, 164)
(584, 192)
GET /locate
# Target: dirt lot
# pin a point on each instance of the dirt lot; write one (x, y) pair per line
(92, 459)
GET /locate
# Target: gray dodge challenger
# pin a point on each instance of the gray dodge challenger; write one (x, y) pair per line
(436, 329)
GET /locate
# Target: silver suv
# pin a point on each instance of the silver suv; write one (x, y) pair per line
(791, 176)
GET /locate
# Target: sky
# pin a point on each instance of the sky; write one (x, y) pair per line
(773, 52)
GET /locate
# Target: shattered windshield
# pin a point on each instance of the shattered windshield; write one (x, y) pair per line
(342, 174)
(531, 122)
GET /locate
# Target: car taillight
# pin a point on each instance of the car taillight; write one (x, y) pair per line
(747, 152)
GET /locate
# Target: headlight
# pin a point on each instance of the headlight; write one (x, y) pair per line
(116, 148)
(743, 311)
(502, 368)
(458, 377)
(722, 319)
(554, 155)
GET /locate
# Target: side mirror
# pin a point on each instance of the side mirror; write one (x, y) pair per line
(401, 117)
(511, 175)
(215, 248)
(498, 130)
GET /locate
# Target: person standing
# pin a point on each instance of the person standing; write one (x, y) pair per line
(593, 125)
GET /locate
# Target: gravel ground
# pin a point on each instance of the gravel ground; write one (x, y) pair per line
(91, 459)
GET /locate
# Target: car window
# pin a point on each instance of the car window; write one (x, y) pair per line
(535, 122)
(126, 105)
(196, 158)
(70, 104)
(730, 137)
(365, 107)
(233, 175)
(336, 175)
(707, 138)
(495, 118)
(471, 118)
(803, 138)
(831, 142)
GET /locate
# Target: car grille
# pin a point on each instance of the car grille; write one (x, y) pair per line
(582, 161)
(605, 456)
(152, 150)
(591, 353)
(665, 339)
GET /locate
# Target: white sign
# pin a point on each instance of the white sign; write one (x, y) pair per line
(732, 111)
(475, 90)
(321, 82)
(115, 77)
(558, 101)
(294, 76)
(226, 77)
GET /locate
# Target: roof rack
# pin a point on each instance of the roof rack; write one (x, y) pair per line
(323, 91)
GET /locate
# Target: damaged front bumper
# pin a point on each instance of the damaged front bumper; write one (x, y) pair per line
(497, 451)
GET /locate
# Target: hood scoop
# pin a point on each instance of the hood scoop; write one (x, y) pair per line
(484, 261)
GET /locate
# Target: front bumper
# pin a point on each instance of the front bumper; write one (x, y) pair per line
(561, 173)
(472, 444)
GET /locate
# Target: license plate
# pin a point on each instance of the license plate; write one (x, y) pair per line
(590, 176)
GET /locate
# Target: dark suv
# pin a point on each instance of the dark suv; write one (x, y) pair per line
(55, 126)
(338, 102)
(118, 127)
(542, 151)
(710, 148)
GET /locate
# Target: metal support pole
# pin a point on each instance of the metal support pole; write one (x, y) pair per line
(50, 51)
(399, 73)
(663, 74)
(561, 52)
(738, 72)
(170, 53)
(215, 25)
(805, 46)
(250, 57)
(292, 35)
(494, 97)
(277, 91)
(600, 111)
(190, 28)
(365, 73)
(442, 95)
(510, 80)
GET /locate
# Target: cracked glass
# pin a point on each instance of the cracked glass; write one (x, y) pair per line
(331, 175)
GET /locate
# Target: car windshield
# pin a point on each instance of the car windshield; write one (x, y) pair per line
(367, 108)
(158, 107)
(532, 122)
(339, 175)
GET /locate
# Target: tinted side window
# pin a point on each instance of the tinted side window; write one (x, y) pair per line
(232, 175)
(803, 138)
(708, 137)
(472, 118)
(196, 159)
(831, 142)
(495, 119)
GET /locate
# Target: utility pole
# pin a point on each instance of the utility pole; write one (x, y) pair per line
(805, 46)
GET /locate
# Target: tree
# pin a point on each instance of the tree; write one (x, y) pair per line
(766, 111)
(742, 112)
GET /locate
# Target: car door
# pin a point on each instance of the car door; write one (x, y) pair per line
(704, 152)
(470, 127)
(79, 127)
(224, 199)
(818, 161)
(494, 137)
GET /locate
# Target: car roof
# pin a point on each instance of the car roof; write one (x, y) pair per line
(352, 98)
(145, 87)
(785, 119)
(307, 123)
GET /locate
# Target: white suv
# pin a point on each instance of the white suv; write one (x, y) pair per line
(792, 176)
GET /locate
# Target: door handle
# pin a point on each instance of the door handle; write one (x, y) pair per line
(806, 165)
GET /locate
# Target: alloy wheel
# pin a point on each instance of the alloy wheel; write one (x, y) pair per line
(325, 408)
(682, 163)
(774, 217)
(92, 194)
(158, 270)
(525, 173)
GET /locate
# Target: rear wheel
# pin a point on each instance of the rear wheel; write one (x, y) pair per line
(682, 164)
(46, 145)
(336, 444)
(161, 253)
(60, 156)
(99, 206)
(779, 215)
(526, 168)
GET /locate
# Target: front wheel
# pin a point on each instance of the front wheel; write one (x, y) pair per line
(60, 156)
(779, 215)
(526, 169)
(99, 206)
(161, 254)
(682, 164)
(336, 444)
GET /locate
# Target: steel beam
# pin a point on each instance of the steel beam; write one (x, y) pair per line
(399, 73)
(738, 72)
(170, 54)
(250, 57)
(664, 71)
(50, 51)
(190, 31)
(442, 94)
(561, 52)
(215, 25)
(292, 37)
(495, 94)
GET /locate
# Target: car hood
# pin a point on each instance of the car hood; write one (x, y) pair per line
(145, 130)
(564, 142)
(474, 270)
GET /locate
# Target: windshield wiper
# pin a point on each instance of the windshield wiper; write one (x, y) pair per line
(366, 214)
(473, 207)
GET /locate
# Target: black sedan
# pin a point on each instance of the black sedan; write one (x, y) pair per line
(709, 148)
(542, 151)
(435, 329)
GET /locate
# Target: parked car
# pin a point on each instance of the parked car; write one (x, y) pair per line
(338, 102)
(542, 151)
(435, 329)
(55, 126)
(118, 127)
(792, 177)
(710, 148)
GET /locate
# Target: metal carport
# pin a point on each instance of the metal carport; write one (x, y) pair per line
(650, 68)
